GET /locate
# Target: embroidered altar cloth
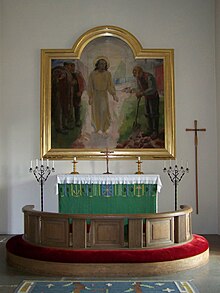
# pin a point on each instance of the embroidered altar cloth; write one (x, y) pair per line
(108, 193)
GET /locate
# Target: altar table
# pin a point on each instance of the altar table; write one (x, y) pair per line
(108, 193)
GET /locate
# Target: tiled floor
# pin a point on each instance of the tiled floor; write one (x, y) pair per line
(206, 278)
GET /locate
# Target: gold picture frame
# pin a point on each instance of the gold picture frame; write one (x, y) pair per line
(135, 112)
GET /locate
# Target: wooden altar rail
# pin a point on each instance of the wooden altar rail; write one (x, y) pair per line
(101, 231)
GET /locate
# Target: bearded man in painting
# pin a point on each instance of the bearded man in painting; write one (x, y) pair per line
(147, 88)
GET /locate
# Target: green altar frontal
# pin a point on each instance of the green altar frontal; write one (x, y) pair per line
(108, 194)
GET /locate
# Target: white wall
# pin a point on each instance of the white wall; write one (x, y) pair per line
(217, 50)
(27, 26)
(1, 22)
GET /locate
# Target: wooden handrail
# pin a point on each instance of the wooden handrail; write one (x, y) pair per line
(184, 209)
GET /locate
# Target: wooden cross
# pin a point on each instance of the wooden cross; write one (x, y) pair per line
(195, 129)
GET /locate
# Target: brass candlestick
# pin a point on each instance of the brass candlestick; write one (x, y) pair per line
(74, 166)
(139, 162)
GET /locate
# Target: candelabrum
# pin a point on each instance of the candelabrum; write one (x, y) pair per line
(139, 162)
(176, 174)
(41, 173)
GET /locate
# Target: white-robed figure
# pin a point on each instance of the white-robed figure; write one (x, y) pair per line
(99, 85)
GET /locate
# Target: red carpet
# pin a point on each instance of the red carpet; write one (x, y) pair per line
(18, 246)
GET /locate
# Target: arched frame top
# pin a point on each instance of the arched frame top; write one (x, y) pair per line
(107, 31)
(164, 69)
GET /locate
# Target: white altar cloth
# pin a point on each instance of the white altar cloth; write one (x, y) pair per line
(110, 179)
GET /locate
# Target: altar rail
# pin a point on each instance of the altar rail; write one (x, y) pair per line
(89, 231)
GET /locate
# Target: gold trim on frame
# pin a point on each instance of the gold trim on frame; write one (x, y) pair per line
(167, 55)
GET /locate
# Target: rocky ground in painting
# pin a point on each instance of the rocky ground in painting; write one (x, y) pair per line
(140, 140)
(137, 140)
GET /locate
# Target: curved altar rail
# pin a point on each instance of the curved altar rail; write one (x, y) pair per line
(101, 231)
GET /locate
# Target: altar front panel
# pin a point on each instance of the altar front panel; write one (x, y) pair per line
(108, 194)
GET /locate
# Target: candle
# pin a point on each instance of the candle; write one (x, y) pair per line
(74, 159)
(42, 162)
(31, 164)
(47, 163)
(53, 165)
(36, 162)
(139, 159)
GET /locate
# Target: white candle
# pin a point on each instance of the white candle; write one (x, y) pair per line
(53, 165)
(47, 163)
(36, 162)
(31, 164)
(42, 162)
(139, 159)
(74, 159)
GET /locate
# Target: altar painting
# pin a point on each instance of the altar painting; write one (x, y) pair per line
(120, 107)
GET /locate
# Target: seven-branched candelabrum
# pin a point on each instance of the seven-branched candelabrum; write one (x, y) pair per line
(176, 174)
(41, 173)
